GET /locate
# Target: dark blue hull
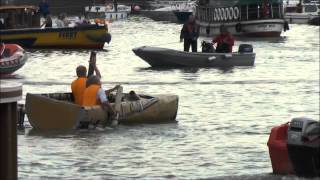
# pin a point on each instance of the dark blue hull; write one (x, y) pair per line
(182, 16)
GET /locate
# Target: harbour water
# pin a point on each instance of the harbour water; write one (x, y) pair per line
(224, 117)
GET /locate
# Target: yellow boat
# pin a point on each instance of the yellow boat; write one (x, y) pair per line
(27, 32)
(56, 111)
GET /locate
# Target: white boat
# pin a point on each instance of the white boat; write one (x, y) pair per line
(108, 12)
(303, 12)
(12, 58)
(255, 18)
(181, 9)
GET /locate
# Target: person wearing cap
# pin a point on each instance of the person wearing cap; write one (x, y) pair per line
(189, 34)
(59, 21)
(48, 22)
(79, 85)
(224, 40)
(94, 94)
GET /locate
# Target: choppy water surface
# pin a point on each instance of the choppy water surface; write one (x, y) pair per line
(225, 116)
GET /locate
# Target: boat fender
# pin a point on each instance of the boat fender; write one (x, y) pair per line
(231, 13)
(286, 26)
(212, 58)
(238, 27)
(216, 15)
(223, 14)
(236, 13)
(220, 14)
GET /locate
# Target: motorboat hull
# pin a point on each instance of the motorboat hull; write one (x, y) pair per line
(162, 57)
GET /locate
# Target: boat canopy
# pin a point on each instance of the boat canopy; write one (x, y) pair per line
(20, 16)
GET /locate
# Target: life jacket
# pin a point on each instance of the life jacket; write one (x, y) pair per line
(90, 96)
(220, 40)
(78, 86)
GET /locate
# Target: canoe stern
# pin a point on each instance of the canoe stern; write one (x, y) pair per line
(49, 114)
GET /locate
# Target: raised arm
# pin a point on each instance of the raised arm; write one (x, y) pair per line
(107, 92)
(104, 101)
(94, 66)
(90, 69)
(97, 70)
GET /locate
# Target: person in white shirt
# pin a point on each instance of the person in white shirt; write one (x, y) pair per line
(59, 22)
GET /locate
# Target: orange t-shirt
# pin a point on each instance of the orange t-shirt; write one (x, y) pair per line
(90, 96)
(78, 86)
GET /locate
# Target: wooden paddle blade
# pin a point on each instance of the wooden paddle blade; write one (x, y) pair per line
(117, 107)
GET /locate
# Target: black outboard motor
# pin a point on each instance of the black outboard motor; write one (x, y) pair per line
(304, 146)
(207, 47)
(245, 48)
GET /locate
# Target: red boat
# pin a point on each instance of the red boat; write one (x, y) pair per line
(12, 58)
(294, 148)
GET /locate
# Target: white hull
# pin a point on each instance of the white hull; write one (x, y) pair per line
(298, 18)
(116, 16)
(108, 12)
(262, 28)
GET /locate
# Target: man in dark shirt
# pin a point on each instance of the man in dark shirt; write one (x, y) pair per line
(189, 34)
(44, 8)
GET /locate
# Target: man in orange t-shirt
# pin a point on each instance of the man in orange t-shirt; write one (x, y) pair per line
(79, 85)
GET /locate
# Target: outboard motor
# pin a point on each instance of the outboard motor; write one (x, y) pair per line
(245, 48)
(207, 47)
(304, 146)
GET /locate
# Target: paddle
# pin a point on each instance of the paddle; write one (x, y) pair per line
(117, 107)
(91, 68)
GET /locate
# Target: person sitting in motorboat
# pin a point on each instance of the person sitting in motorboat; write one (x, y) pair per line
(81, 21)
(59, 21)
(79, 85)
(62, 20)
(224, 40)
(48, 22)
(189, 34)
